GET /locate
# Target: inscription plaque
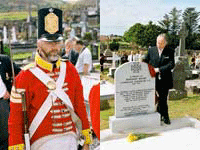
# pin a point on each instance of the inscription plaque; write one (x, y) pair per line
(134, 90)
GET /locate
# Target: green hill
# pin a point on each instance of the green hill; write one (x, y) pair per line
(15, 15)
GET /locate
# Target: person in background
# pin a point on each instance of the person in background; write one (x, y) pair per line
(102, 60)
(131, 57)
(84, 62)
(193, 60)
(197, 62)
(124, 58)
(6, 84)
(70, 53)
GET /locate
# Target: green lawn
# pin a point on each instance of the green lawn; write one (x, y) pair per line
(22, 55)
(186, 107)
(177, 108)
(103, 76)
(15, 15)
(104, 115)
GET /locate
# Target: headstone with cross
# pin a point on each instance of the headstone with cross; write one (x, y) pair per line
(183, 34)
(181, 70)
(134, 98)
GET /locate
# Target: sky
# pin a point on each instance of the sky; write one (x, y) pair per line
(117, 16)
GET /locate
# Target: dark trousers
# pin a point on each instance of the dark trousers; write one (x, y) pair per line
(162, 106)
(4, 113)
(101, 68)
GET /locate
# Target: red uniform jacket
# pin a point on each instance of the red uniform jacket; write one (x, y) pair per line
(95, 109)
(36, 93)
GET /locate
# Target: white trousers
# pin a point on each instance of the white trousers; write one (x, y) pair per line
(56, 142)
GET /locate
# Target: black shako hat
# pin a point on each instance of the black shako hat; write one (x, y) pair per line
(50, 24)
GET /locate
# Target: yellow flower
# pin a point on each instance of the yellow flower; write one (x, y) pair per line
(131, 137)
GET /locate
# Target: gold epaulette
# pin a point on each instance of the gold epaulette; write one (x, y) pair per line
(29, 66)
(16, 147)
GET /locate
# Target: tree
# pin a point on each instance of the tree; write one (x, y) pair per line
(175, 27)
(151, 32)
(114, 45)
(191, 18)
(165, 23)
(129, 35)
(143, 35)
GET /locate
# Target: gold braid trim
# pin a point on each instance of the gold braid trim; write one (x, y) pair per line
(16, 147)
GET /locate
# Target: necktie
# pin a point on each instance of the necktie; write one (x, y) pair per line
(132, 58)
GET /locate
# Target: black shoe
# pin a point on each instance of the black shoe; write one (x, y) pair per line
(167, 121)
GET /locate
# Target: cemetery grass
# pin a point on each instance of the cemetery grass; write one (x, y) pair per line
(15, 15)
(97, 67)
(189, 106)
(104, 115)
(22, 55)
(103, 76)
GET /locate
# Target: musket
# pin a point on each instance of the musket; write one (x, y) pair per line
(24, 110)
(22, 93)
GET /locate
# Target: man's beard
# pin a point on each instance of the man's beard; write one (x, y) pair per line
(52, 56)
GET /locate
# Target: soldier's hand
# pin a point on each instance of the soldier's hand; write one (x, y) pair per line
(87, 135)
(7, 95)
(86, 147)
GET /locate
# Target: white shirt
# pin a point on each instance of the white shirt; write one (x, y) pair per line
(2, 88)
(85, 57)
(160, 52)
(130, 58)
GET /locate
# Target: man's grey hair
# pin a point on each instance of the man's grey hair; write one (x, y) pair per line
(70, 40)
(163, 35)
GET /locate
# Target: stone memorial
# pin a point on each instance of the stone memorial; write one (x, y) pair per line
(113, 68)
(13, 33)
(5, 34)
(134, 98)
(181, 69)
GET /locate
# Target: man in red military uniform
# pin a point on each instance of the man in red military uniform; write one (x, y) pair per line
(54, 95)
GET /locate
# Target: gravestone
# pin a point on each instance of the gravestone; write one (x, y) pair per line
(13, 32)
(134, 98)
(108, 53)
(5, 34)
(113, 68)
(181, 69)
(179, 77)
(95, 51)
(183, 34)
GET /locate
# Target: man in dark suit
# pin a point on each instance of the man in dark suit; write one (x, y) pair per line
(70, 54)
(161, 58)
(6, 75)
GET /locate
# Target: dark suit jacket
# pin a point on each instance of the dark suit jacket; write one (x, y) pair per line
(165, 63)
(6, 71)
(6, 75)
(73, 57)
